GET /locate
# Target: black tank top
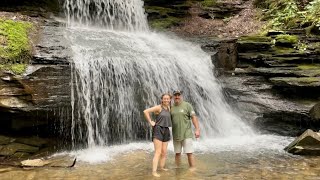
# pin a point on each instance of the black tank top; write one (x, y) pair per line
(163, 119)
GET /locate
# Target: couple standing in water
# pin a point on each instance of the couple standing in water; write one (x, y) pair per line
(180, 116)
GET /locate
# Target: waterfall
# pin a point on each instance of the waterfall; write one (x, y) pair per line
(117, 74)
(113, 14)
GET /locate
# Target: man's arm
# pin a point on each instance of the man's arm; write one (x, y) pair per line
(195, 122)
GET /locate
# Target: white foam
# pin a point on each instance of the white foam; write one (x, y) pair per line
(101, 154)
(253, 144)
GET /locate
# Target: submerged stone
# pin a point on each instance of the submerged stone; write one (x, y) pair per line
(306, 144)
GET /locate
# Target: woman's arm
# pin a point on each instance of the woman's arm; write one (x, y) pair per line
(155, 109)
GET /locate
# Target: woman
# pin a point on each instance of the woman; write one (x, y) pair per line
(160, 131)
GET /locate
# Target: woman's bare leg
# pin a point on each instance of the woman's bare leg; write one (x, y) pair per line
(157, 152)
(163, 155)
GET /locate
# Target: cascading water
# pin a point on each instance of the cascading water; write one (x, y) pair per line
(113, 14)
(117, 74)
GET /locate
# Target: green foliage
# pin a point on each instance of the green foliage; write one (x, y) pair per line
(18, 68)
(312, 13)
(208, 3)
(15, 68)
(286, 14)
(302, 47)
(283, 13)
(15, 49)
(15, 45)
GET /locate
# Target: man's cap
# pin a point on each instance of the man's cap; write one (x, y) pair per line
(177, 92)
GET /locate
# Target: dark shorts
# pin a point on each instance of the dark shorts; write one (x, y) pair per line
(161, 133)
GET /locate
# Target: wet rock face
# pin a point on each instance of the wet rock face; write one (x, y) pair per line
(13, 95)
(224, 55)
(34, 103)
(31, 5)
(274, 87)
(315, 112)
(11, 147)
(263, 108)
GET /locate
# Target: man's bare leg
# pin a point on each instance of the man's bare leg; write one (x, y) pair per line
(178, 159)
(191, 161)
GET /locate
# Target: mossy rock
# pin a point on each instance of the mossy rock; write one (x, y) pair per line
(165, 23)
(283, 50)
(255, 39)
(163, 2)
(296, 82)
(208, 3)
(299, 71)
(311, 70)
(254, 43)
(286, 40)
(309, 67)
(164, 17)
(156, 12)
(252, 46)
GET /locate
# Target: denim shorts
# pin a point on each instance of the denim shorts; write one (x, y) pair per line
(161, 133)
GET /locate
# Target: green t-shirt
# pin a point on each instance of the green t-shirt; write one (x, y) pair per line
(181, 121)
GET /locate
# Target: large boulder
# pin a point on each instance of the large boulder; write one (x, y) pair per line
(306, 144)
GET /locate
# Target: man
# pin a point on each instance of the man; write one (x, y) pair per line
(182, 114)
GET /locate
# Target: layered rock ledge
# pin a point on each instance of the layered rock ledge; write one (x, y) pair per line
(273, 85)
